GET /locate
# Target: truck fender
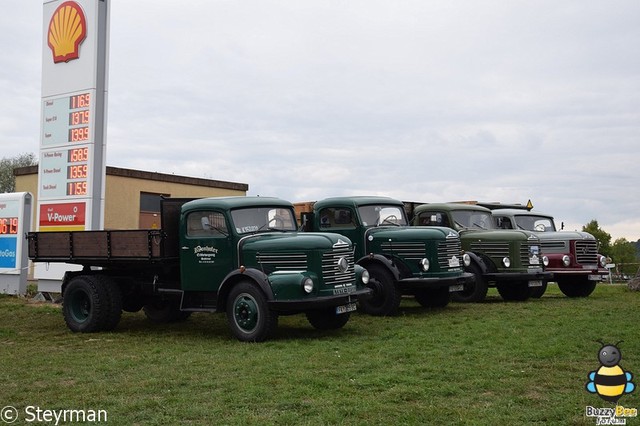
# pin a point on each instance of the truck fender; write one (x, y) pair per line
(69, 275)
(481, 261)
(238, 275)
(378, 259)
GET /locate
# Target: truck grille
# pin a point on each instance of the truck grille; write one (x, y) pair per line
(404, 250)
(587, 252)
(330, 272)
(525, 253)
(446, 250)
(491, 249)
(282, 262)
(554, 246)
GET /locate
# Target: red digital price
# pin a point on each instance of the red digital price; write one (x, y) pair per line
(80, 101)
(78, 117)
(79, 134)
(8, 225)
(77, 188)
(78, 155)
(77, 172)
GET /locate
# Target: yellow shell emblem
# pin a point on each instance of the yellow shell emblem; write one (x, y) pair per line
(67, 30)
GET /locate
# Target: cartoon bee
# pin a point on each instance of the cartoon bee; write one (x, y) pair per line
(610, 381)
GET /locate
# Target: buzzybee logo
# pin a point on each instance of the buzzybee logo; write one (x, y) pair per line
(610, 382)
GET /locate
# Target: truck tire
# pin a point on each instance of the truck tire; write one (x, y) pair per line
(164, 311)
(114, 302)
(537, 292)
(515, 291)
(327, 319)
(475, 291)
(386, 297)
(576, 287)
(85, 304)
(248, 313)
(437, 298)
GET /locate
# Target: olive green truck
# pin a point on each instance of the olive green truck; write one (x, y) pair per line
(426, 263)
(238, 255)
(511, 260)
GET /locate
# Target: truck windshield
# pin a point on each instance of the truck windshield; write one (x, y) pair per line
(255, 219)
(472, 219)
(378, 215)
(535, 223)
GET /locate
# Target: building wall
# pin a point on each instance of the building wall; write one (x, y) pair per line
(123, 188)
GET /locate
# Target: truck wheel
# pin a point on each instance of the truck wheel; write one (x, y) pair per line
(438, 298)
(249, 316)
(114, 299)
(576, 287)
(537, 292)
(386, 297)
(85, 304)
(327, 319)
(165, 311)
(475, 291)
(515, 291)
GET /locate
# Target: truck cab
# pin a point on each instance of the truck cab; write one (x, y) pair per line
(573, 256)
(511, 260)
(426, 263)
(238, 255)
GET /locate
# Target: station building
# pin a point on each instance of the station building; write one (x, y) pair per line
(132, 197)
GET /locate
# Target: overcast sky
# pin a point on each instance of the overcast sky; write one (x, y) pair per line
(417, 100)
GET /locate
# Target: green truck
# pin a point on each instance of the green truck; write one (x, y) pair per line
(238, 255)
(510, 260)
(573, 256)
(426, 263)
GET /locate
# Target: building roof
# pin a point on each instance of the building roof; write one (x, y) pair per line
(155, 176)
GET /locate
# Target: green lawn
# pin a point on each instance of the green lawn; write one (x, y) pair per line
(490, 363)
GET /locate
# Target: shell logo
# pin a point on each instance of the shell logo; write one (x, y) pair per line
(67, 30)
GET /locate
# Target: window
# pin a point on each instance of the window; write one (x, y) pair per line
(206, 224)
(336, 218)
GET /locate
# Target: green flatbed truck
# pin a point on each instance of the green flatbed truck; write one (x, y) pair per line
(238, 255)
(426, 263)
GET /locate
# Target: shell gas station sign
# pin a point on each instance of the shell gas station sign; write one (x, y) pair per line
(71, 171)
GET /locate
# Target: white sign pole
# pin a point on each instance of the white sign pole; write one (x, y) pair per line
(72, 167)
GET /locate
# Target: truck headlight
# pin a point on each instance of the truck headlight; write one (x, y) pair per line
(307, 285)
(566, 260)
(466, 259)
(545, 260)
(603, 261)
(506, 262)
(365, 277)
(424, 264)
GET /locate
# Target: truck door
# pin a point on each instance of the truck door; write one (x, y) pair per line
(206, 252)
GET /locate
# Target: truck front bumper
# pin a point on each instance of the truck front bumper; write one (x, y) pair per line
(506, 277)
(314, 303)
(456, 283)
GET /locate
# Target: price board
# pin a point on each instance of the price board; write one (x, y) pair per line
(15, 219)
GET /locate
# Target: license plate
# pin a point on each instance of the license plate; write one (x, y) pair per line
(594, 277)
(457, 287)
(536, 283)
(350, 307)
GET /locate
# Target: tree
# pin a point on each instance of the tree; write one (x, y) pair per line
(623, 254)
(603, 238)
(7, 179)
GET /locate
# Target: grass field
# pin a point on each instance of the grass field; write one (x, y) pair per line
(490, 363)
